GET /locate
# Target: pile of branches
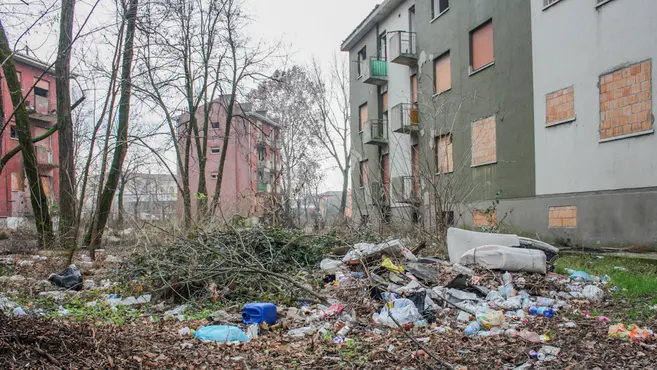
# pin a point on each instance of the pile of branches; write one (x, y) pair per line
(236, 264)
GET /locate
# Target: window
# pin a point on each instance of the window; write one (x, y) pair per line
(17, 181)
(41, 96)
(363, 173)
(481, 46)
(384, 102)
(383, 46)
(438, 7)
(414, 89)
(214, 175)
(442, 73)
(215, 150)
(444, 154)
(362, 56)
(626, 101)
(484, 146)
(562, 217)
(362, 117)
(12, 132)
(262, 153)
(560, 106)
(215, 124)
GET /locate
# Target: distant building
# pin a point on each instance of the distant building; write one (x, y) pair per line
(41, 104)
(252, 169)
(150, 196)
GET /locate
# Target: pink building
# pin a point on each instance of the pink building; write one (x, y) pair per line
(250, 185)
(41, 105)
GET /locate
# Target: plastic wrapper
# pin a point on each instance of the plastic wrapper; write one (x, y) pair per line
(403, 310)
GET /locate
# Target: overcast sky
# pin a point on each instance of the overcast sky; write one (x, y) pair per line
(310, 28)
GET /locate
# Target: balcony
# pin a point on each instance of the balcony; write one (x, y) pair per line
(262, 187)
(265, 164)
(278, 144)
(374, 71)
(405, 118)
(403, 48)
(375, 132)
(44, 157)
(41, 119)
(405, 189)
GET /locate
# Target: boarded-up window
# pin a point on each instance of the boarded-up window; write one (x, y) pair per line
(444, 154)
(414, 89)
(17, 181)
(442, 73)
(384, 102)
(483, 218)
(481, 46)
(363, 173)
(45, 182)
(484, 145)
(41, 90)
(362, 116)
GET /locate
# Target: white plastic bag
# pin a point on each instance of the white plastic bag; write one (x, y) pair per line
(593, 293)
(403, 310)
(329, 265)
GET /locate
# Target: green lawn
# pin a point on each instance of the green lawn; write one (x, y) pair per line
(637, 284)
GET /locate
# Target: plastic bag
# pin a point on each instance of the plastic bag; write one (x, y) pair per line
(618, 331)
(490, 319)
(221, 333)
(301, 332)
(403, 310)
(593, 293)
(638, 335)
(70, 278)
(387, 263)
(329, 265)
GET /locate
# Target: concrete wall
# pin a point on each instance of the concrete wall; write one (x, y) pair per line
(504, 89)
(574, 43)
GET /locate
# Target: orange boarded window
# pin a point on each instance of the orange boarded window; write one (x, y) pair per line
(363, 116)
(484, 146)
(442, 73)
(384, 102)
(444, 154)
(17, 182)
(481, 46)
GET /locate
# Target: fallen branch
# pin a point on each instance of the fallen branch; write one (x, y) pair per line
(46, 355)
(422, 347)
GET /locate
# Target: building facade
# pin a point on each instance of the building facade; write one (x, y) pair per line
(41, 105)
(149, 196)
(533, 115)
(250, 185)
(449, 86)
(596, 151)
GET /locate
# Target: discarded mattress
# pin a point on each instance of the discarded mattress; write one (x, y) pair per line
(497, 257)
(460, 241)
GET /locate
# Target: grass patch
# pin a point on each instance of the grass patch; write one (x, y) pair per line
(635, 278)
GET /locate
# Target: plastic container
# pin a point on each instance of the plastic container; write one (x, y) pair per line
(257, 313)
(221, 333)
(545, 302)
(473, 328)
(543, 311)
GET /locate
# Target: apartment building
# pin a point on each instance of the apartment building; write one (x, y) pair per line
(41, 104)
(441, 95)
(253, 162)
(596, 150)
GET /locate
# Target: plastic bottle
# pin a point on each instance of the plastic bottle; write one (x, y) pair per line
(544, 311)
(473, 328)
(545, 302)
(344, 331)
(506, 278)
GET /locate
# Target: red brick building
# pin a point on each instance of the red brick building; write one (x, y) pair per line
(253, 162)
(41, 105)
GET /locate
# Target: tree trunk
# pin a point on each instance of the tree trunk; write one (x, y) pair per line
(105, 205)
(67, 193)
(119, 200)
(38, 197)
(345, 188)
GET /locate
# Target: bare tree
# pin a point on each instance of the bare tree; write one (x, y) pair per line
(105, 203)
(286, 97)
(67, 193)
(330, 116)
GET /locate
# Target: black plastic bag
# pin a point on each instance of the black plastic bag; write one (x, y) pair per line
(69, 279)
